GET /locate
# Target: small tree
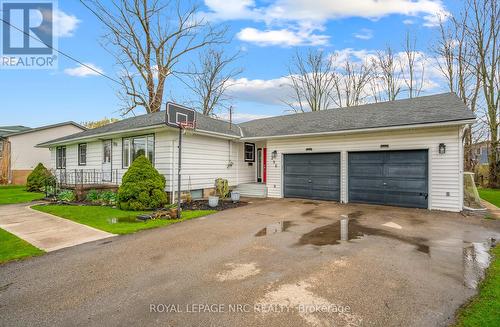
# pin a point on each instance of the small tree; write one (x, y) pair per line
(38, 178)
(143, 187)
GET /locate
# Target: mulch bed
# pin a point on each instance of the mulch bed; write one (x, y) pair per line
(203, 205)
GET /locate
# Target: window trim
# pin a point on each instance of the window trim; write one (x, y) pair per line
(80, 163)
(58, 166)
(245, 152)
(130, 138)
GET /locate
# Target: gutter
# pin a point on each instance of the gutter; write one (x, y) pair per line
(374, 129)
(73, 140)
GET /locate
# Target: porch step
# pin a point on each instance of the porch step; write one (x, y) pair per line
(252, 190)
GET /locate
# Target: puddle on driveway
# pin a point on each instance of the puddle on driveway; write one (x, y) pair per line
(278, 227)
(349, 228)
(476, 259)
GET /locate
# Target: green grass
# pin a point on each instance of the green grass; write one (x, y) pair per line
(490, 195)
(113, 220)
(10, 194)
(484, 309)
(13, 248)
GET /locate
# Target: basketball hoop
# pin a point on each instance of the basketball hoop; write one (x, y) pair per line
(187, 127)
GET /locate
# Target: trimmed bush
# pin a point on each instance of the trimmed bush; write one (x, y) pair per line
(66, 196)
(38, 178)
(142, 188)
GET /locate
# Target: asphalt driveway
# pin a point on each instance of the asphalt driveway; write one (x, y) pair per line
(270, 263)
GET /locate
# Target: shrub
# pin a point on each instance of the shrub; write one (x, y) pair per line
(108, 198)
(222, 187)
(66, 196)
(38, 178)
(93, 196)
(143, 187)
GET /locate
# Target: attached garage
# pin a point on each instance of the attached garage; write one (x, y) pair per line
(397, 178)
(312, 176)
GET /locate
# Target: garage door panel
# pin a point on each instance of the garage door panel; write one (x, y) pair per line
(360, 183)
(296, 169)
(367, 157)
(322, 170)
(367, 170)
(415, 185)
(367, 197)
(311, 175)
(409, 199)
(394, 178)
(406, 170)
(412, 157)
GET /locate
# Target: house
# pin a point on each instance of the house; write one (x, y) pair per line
(480, 152)
(19, 154)
(405, 153)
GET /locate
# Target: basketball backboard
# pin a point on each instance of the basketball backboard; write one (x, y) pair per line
(180, 116)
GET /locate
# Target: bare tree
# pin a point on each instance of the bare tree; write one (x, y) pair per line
(350, 81)
(210, 80)
(311, 80)
(409, 69)
(483, 29)
(455, 60)
(387, 71)
(149, 39)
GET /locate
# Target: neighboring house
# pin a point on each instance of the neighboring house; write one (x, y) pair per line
(18, 151)
(480, 152)
(405, 153)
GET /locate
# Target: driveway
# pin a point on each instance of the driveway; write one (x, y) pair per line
(270, 263)
(45, 231)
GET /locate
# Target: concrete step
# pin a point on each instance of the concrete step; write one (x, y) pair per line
(252, 190)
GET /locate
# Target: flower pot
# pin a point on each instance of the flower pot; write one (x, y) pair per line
(235, 196)
(213, 201)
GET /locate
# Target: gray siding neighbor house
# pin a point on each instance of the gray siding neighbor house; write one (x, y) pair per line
(405, 153)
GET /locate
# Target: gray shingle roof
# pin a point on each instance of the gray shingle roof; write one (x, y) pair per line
(422, 110)
(156, 119)
(5, 130)
(438, 108)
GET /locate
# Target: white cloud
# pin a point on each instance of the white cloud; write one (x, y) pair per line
(320, 10)
(364, 34)
(271, 91)
(281, 37)
(408, 22)
(83, 71)
(64, 24)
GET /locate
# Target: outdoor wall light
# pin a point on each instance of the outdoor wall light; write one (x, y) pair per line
(274, 155)
(442, 148)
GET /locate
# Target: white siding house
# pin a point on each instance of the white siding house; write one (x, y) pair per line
(405, 152)
(24, 155)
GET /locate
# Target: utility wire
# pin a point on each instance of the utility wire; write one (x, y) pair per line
(62, 53)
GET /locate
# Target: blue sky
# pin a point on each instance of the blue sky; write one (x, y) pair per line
(267, 32)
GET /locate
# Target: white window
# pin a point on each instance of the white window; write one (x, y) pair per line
(82, 154)
(61, 157)
(249, 152)
(133, 147)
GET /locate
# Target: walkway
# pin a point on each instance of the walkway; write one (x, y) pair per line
(45, 231)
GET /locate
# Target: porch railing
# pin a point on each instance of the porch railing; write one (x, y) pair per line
(80, 177)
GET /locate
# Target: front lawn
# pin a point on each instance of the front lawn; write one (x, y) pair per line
(10, 194)
(13, 248)
(490, 195)
(484, 309)
(113, 220)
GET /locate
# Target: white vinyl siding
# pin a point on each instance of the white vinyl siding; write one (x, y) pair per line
(206, 158)
(445, 170)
